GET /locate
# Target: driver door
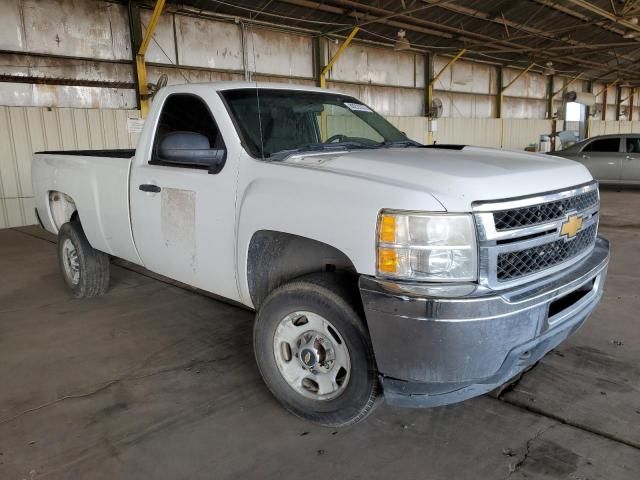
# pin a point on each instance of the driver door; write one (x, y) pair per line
(183, 215)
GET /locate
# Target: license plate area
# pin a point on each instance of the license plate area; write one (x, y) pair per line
(559, 305)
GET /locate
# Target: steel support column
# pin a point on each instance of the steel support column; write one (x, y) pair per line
(550, 96)
(499, 97)
(428, 77)
(587, 113)
(603, 92)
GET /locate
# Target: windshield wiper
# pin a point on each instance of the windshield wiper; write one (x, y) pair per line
(320, 147)
(399, 143)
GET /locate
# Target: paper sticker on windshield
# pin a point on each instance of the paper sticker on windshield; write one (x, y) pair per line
(358, 107)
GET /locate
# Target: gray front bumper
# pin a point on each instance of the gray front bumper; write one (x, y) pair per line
(436, 345)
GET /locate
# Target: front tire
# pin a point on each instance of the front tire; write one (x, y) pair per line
(84, 269)
(314, 353)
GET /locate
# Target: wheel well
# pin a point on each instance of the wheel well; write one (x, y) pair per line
(63, 208)
(276, 257)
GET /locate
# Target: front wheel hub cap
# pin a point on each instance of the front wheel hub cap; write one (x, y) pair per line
(311, 356)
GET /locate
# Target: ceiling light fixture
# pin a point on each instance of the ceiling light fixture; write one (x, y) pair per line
(548, 69)
(401, 42)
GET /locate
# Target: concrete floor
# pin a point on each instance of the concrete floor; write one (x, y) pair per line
(153, 381)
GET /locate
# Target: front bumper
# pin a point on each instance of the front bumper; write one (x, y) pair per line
(436, 345)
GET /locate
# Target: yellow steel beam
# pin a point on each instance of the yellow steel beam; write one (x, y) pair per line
(567, 84)
(449, 63)
(606, 87)
(141, 67)
(340, 51)
(517, 77)
(504, 89)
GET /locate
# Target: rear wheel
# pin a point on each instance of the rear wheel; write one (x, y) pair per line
(84, 269)
(314, 353)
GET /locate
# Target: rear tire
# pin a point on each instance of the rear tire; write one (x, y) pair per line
(313, 350)
(84, 269)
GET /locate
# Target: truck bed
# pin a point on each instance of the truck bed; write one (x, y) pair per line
(113, 153)
(97, 182)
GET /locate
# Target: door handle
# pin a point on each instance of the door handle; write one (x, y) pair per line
(629, 157)
(585, 157)
(150, 188)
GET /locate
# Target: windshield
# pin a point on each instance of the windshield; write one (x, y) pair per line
(292, 121)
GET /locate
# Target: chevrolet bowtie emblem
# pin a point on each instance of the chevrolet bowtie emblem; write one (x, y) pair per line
(571, 226)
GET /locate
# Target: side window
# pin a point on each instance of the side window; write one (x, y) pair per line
(187, 135)
(605, 145)
(633, 144)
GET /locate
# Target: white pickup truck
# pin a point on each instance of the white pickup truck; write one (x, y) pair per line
(377, 266)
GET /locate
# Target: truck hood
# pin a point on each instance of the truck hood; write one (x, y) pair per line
(456, 178)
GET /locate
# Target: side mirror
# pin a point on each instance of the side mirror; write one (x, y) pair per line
(191, 149)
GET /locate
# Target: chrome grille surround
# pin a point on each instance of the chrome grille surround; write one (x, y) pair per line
(544, 212)
(534, 248)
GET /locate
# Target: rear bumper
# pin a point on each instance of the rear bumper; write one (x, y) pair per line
(436, 345)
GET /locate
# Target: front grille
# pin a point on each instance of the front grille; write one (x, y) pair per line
(544, 212)
(513, 265)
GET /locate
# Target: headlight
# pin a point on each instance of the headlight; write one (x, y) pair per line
(425, 246)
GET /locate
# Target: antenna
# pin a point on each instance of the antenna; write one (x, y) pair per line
(253, 51)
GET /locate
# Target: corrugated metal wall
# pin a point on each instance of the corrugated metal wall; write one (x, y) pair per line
(602, 127)
(24, 130)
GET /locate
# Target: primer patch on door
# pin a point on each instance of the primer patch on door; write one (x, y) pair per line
(178, 223)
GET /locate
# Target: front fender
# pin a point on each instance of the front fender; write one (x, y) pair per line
(337, 209)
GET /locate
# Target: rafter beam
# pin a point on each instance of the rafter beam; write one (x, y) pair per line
(366, 12)
(605, 14)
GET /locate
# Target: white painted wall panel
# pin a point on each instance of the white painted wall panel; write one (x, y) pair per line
(466, 105)
(420, 65)
(521, 108)
(530, 85)
(11, 32)
(205, 43)
(279, 53)
(365, 64)
(162, 47)
(77, 28)
(464, 76)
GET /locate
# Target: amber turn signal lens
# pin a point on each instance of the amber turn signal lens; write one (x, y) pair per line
(387, 260)
(388, 229)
